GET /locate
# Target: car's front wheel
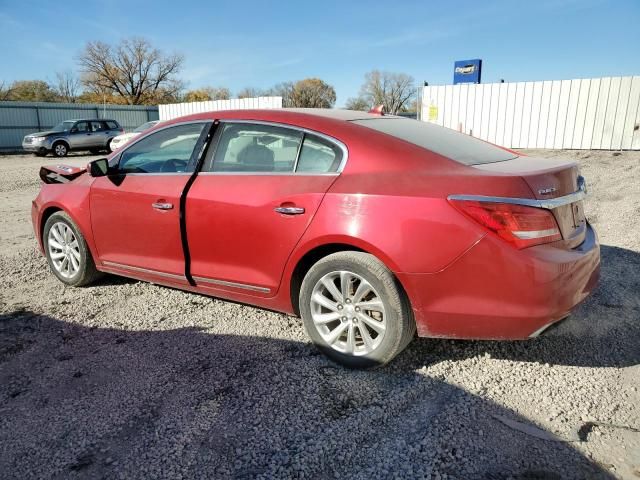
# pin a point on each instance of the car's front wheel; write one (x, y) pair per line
(355, 311)
(67, 252)
(60, 149)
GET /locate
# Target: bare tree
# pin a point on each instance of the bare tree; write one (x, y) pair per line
(67, 86)
(5, 91)
(134, 69)
(313, 93)
(284, 90)
(393, 90)
(249, 92)
(358, 103)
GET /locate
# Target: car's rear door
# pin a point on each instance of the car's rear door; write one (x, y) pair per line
(135, 211)
(257, 193)
(99, 134)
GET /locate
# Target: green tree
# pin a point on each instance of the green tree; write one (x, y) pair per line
(31, 91)
(312, 93)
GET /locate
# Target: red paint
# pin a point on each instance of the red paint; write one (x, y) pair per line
(463, 281)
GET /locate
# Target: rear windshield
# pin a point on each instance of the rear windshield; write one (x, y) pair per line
(457, 146)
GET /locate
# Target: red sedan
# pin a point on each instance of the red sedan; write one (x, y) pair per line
(367, 226)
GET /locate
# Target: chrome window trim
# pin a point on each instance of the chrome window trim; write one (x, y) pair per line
(549, 204)
(144, 270)
(226, 283)
(343, 148)
(268, 174)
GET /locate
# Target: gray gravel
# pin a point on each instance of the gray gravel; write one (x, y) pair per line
(132, 380)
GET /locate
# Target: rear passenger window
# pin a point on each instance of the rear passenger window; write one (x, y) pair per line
(318, 156)
(112, 125)
(253, 148)
(98, 127)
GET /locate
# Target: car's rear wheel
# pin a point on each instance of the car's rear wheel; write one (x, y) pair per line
(355, 311)
(67, 252)
(60, 149)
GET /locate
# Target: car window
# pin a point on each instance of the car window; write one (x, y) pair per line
(82, 127)
(318, 156)
(112, 125)
(166, 151)
(98, 126)
(253, 148)
(457, 146)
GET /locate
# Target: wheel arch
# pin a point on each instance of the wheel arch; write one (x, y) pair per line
(316, 252)
(60, 140)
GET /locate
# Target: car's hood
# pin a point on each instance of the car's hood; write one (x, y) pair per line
(43, 134)
(60, 173)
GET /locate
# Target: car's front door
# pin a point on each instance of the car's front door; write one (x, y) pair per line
(80, 135)
(135, 211)
(257, 193)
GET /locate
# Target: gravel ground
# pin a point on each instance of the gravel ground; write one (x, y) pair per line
(132, 380)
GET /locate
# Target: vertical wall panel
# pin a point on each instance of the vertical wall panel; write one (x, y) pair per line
(572, 109)
(502, 112)
(494, 88)
(632, 112)
(536, 105)
(509, 114)
(621, 113)
(518, 106)
(590, 115)
(526, 115)
(601, 112)
(543, 118)
(581, 111)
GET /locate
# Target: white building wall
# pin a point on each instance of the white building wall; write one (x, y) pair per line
(589, 113)
(174, 110)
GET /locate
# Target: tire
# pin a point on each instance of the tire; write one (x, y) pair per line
(61, 236)
(370, 344)
(109, 145)
(60, 149)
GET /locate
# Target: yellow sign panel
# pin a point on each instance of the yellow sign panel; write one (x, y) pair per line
(433, 113)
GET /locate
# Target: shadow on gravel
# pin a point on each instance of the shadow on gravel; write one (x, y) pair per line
(602, 332)
(79, 402)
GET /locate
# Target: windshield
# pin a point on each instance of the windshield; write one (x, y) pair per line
(457, 146)
(63, 126)
(144, 126)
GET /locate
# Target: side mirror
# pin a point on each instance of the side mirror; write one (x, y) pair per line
(98, 168)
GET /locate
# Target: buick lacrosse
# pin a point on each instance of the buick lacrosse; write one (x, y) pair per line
(370, 227)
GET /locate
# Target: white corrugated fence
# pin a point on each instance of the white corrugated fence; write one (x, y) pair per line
(174, 110)
(590, 113)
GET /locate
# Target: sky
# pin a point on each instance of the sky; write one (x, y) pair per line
(260, 43)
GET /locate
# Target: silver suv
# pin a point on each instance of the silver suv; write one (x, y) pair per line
(93, 135)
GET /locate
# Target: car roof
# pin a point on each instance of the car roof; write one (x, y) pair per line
(90, 120)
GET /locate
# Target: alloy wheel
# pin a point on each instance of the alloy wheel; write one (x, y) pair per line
(60, 150)
(348, 313)
(64, 249)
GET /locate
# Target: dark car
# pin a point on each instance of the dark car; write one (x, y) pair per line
(94, 135)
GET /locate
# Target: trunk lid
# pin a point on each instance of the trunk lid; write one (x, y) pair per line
(550, 179)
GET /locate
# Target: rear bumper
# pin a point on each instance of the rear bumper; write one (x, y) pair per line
(495, 291)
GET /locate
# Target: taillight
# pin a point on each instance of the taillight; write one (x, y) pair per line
(519, 225)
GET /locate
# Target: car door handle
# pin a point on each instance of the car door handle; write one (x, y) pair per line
(162, 206)
(290, 210)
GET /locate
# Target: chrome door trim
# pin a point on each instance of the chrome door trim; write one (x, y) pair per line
(335, 141)
(225, 283)
(144, 270)
(549, 204)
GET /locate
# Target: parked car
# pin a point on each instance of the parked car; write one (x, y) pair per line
(368, 226)
(120, 140)
(94, 135)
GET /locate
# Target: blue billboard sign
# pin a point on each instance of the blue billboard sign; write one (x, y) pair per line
(467, 71)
